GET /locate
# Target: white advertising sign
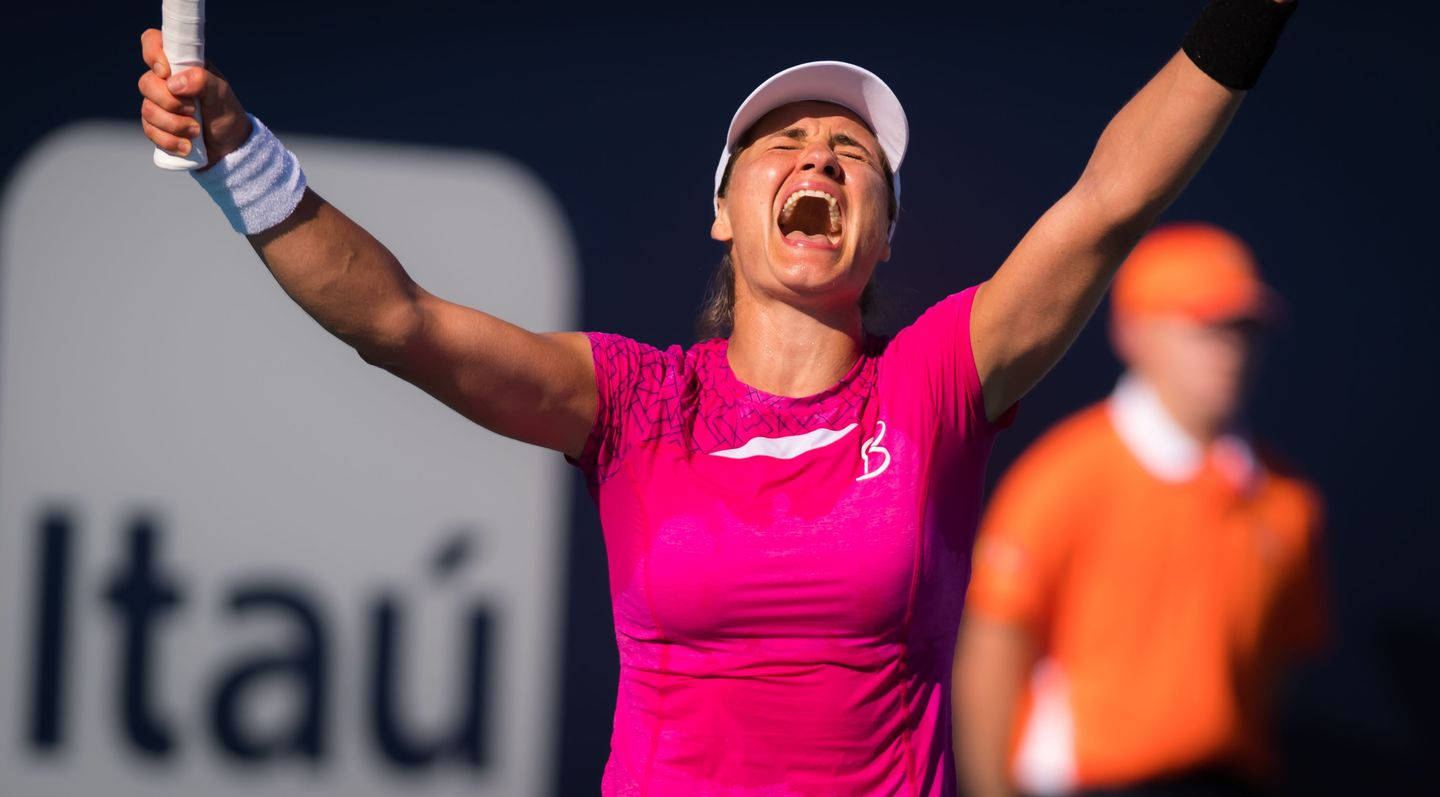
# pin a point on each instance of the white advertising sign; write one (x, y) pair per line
(234, 559)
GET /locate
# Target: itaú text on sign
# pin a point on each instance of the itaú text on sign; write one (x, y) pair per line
(240, 561)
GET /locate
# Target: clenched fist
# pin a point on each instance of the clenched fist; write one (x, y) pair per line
(167, 112)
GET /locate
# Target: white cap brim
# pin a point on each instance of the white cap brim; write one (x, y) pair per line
(844, 84)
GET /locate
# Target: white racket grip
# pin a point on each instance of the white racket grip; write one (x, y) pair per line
(182, 30)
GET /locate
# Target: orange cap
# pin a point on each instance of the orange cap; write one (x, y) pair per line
(1194, 270)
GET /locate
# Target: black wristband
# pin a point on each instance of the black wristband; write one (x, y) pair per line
(1232, 39)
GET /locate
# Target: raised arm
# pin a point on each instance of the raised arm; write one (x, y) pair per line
(538, 388)
(1029, 313)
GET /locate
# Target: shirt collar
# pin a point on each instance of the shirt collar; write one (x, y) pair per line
(1164, 449)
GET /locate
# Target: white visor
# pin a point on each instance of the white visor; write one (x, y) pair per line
(844, 84)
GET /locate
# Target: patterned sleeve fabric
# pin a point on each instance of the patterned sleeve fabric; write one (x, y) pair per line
(629, 379)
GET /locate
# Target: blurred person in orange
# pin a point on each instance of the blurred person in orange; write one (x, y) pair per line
(1143, 575)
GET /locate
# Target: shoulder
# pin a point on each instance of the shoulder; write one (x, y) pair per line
(940, 320)
(641, 393)
(1072, 459)
(1052, 493)
(625, 360)
(702, 356)
(1080, 441)
(929, 366)
(609, 347)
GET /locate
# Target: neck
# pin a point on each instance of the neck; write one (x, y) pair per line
(1202, 427)
(791, 351)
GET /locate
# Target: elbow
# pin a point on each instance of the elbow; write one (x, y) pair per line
(387, 341)
(1118, 209)
(372, 355)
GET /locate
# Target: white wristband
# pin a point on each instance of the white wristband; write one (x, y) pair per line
(258, 185)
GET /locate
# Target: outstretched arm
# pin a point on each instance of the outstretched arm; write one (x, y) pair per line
(538, 388)
(1029, 313)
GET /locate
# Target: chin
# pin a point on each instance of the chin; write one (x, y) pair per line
(1223, 405)
(820, 297)
(805, 277)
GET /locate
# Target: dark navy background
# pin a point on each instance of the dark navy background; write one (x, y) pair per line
(1329, 171)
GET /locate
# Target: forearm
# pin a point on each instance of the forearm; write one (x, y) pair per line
(991, 665)
(1154, 145)
(343, 277)
(539, 388)
(1030, 312)
(1142, 161)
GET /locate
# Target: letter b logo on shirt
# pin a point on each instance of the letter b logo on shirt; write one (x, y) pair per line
(874, 458)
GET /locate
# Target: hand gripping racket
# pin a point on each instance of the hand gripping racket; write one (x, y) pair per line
(182, 30)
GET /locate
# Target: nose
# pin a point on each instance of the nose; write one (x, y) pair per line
(820, 158)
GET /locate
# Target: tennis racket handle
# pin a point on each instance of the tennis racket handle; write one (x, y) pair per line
(197, 157)
(182, 30)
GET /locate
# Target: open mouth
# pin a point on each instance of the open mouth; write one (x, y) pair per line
(812, 217)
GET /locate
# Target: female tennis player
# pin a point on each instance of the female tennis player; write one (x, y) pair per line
(788, 506)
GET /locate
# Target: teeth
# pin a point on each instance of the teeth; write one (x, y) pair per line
(804, 192)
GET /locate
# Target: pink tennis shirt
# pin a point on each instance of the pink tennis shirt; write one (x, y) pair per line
(788, 573)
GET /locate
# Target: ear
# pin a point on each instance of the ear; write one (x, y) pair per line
(885, 253)
(720, 228)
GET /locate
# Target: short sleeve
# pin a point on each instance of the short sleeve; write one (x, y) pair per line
(1027, 534)
(935, 354)
(629, 382)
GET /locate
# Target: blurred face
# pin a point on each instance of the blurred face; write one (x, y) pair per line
(805, 209)
(1199, 369)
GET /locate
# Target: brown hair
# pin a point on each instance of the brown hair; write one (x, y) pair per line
(717, 312)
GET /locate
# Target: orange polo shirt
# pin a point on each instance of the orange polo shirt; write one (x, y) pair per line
(1163, 607)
